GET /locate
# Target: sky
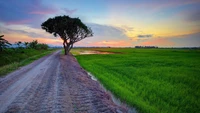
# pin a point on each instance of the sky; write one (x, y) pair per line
(115, 23)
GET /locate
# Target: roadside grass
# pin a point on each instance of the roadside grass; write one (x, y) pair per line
(12, 60)
(152, 80)
(62, 52)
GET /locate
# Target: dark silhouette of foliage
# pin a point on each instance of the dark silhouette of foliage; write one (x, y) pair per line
(70, 30)
(26, 44)
(33, 44)
(3, 43)
(42, 46)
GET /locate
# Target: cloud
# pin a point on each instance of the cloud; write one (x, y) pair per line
(149, 9)
(43, 12)
(163, 42)
(14, 33)
(127, 28)
(189, 40)
(193, 15)
(12, 38)
(17, 22)
(69, 12)
(145, 36)
(23, 30)
(124, 32)
(111, 43)
(161, 5)
(31, 34)
(104, 31)
(23, 11)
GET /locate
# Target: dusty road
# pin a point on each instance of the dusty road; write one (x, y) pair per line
(54, 83)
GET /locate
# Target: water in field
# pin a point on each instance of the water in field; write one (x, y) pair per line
(93, 52)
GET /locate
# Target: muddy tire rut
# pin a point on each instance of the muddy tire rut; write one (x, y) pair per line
(54, 83)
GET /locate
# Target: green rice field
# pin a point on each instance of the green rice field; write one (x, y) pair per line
(151, 80)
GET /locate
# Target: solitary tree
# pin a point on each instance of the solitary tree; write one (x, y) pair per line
(3, 43)
(70, 30)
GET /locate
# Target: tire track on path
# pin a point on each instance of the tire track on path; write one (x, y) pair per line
(55, 83)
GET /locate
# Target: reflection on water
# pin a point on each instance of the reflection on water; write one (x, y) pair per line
(93, 52)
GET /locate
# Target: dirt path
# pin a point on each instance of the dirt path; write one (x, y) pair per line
(54, 83)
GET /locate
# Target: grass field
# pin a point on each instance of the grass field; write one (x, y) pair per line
(152, 80)
(13, 59)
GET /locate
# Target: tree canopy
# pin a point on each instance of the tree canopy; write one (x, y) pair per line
(70, 30)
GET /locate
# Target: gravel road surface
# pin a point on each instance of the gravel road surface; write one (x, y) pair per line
(54, 83)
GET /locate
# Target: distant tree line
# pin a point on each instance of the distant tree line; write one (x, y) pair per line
(33, 45)
(4, 44)
(146, 46)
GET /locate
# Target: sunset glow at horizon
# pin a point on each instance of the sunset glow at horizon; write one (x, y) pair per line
(115, 23)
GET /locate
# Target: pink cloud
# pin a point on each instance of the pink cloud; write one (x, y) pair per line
(19, 21)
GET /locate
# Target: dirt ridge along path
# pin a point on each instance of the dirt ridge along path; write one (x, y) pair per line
(54, 83)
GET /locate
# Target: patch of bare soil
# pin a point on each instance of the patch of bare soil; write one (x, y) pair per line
(55, 83)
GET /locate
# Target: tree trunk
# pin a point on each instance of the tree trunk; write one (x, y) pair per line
(67, 47)
(64, 46)
(65, 51)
